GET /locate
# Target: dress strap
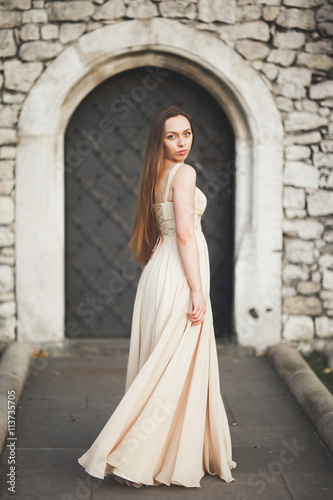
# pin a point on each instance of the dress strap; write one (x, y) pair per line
(171, 176)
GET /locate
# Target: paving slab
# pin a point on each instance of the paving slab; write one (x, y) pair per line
(263, 436)
(211, 488)
(46, 474)
(67, 401)
(311, 485)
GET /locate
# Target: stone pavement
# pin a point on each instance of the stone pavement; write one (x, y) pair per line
(68, 398)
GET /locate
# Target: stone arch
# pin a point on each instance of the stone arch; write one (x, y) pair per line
(256, 122)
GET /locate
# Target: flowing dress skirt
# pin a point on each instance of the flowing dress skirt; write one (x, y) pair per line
(170, 427)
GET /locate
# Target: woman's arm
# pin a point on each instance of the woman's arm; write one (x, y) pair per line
(183, 186)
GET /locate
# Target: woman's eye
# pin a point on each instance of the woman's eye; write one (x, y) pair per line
(170, 136)
(187, 133)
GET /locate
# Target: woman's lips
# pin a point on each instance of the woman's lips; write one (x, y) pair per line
(182, 152)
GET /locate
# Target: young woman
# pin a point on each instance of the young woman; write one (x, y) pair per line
(170, 426)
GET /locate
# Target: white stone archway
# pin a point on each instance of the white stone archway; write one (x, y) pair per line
(256, 122)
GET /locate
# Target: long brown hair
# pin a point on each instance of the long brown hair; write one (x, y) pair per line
(145, 231)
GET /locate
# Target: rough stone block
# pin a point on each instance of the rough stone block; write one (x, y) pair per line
(283, 57)
(324, 327)
(301, 304)
(298, 121)
(71, 31)
(217, 10)
(327, 146)
(291, 90)
(284, 103)
(8, 115)
(288, 291)
(328, 236)
(323, 160)
(178, 8)
(7, 309)
(320, 203)
(266, 2)
(322, 90)
(7, 329)
(305, 229)
(6, 187)
(293, 213)
(328, 279)
(299, 251)
(291, 82)
(252, 50)
(34, 16)
(295, 153)
(6, 210)
(292, 273)
(308, 138)
(6, 236)
(270, 12)
(298, 328)
(20, 4)
(303, 4)
(50, 32)
(6, 258)
(7, 43)
(8, 136)
(248, 13)
(327, 294)
(330, 181)
(293, 198)
(301, 174)
(303, 19)
(300, 76)
(6, 278)
(10, 19)
(319, 46)
(70, 11)
(11, 98)
(325, 13)
(310, 106)
(6, 169)
(270, 70)
(29, 32)
(7, 152)
(308, 287)
(114, 9)
(289, 39)
(325, 29)
(40, 50)
(315, 61)
(141, 10)
(256, 30)
(20, 76)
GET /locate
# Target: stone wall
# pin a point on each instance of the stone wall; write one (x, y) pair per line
(288, 42)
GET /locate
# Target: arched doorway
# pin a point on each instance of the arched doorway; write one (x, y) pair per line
(104, 145)
(40, 168)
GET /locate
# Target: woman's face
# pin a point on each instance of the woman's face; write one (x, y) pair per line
(177, 140)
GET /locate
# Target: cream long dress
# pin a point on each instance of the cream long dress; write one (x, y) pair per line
(170, 426)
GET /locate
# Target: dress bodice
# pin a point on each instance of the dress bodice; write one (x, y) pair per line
(165, 211)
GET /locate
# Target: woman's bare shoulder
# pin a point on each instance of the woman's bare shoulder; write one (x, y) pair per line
(185, 174)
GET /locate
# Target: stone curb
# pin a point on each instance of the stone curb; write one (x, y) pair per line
(14, 367)
(309, 391)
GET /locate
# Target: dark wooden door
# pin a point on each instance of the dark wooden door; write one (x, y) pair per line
(104, 146)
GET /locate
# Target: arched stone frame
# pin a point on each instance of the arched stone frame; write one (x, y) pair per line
(247, 101)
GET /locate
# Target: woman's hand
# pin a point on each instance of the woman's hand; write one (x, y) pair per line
(197, 315)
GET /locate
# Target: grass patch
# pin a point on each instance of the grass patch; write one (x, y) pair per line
(316, 362)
